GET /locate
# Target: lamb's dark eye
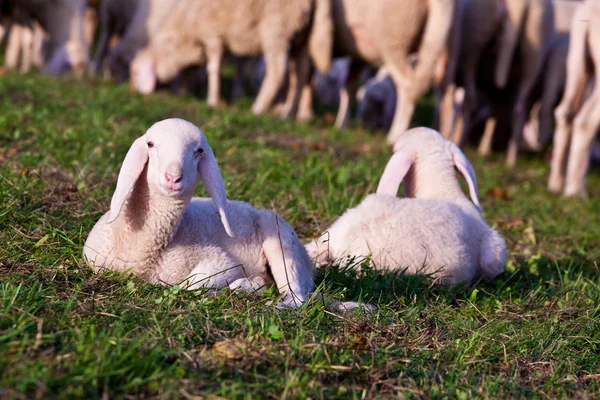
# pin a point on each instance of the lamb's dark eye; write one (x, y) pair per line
(150, 145)
(200, 150)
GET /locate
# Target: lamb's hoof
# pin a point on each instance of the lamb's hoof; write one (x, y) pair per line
(289, 301)
(352, 305)
(254, 284)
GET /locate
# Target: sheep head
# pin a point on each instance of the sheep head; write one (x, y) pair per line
(426, 162)
(163, 60)
(175, 155)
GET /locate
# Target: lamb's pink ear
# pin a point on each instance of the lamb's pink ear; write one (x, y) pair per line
(213, 182)
(395, 171)
(465, 168)
(132, 167)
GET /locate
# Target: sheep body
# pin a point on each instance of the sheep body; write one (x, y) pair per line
(172, 239)
(435, 230)
(386, 32)
(135, 21)
(200, 249)
(449, 240)
(274, 28)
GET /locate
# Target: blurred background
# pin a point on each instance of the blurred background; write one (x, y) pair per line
(504, 75)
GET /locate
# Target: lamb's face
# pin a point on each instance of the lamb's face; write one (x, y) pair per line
(175, 149)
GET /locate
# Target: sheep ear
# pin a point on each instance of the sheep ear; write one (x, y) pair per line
(465, 168)
(213, 182)
(395, 171)
(132, 167)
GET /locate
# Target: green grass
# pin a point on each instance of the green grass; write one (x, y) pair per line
(65, 332)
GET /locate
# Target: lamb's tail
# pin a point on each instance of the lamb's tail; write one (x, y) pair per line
(493, 254)
(320, 42)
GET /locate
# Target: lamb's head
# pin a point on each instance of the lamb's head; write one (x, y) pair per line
(426, 162)
(174, 154)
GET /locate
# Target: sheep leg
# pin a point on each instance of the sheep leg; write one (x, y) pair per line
(253, 284)
(549, 98)
(347, 93)
(405, 108)
(298, 78)
(509, 37)
(13, 48)
(91, 22)
(215, 57)
(531, 130)
(538, 31)
(27, 49)
(237, 92)
(305, 108)
(520, 116)
(577, 79)
(585, 126)
(447, 112)
(216, 270)
(290, 266)
(485, 146)
(102, 49)
(407, 90)
(38, 44)
(562, 137)
(470, 100)
(275, 65)
(446, 115)
(551, 91)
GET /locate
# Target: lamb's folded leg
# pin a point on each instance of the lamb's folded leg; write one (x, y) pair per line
(290, 265)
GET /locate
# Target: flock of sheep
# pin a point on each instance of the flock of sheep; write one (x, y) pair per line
(498, 68)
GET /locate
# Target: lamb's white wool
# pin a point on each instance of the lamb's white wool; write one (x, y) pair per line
(158, 231)
(437, 230)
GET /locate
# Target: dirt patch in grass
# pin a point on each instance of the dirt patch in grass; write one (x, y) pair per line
(302, 145)
(11, 267)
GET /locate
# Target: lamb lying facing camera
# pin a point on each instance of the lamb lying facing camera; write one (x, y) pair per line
(159, 232)
(436, 230)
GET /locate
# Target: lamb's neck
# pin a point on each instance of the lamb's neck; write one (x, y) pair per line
(148, 223)
(428, 181)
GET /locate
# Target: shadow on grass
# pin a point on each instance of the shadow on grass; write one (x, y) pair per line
(378, 287)
(385, 287)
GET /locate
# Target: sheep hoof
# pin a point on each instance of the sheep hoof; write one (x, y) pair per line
(352, 305)
(254, 284)
(555, 186)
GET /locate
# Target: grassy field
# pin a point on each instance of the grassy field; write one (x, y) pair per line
(65, 332)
